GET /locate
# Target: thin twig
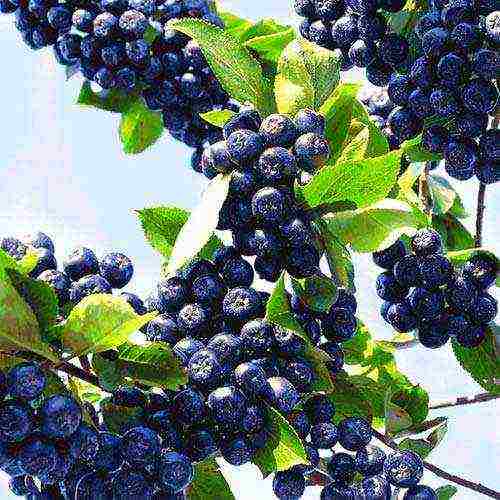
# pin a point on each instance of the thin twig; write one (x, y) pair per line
(481, 206)
(442, 473)
(464, 400)
(424, 191)
(481, 195)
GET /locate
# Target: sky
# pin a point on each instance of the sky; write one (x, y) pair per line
(62, 171)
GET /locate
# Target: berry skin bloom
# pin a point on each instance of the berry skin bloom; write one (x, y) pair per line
(37, 456)
(312, 151)
(283, 394)
(388, 257)
(370, 461)
(26, 381)
(227, 406)
(117, 269)
(389, 289)
(433, 334)
(204, 369)
(339, 325)
(420, 492)
(289, 485)
(434, 271)
(308, 121)
(59, 282)
(140, 446)
(403, 123)
(241, 305)
(461, 293)
(341, 468)
(484, 309)
(39, 240)
(426, 242)
(403, 469)
(88, 285)
(130, 484)
(278, 130)
(375, 487)
(354, 433)
(16, 421)
(81, 262)
(481, 270)
(244, 146)
(60, 416)
(324, 435)
(84, 443)
(175, 470)
(257, 337)
(480, 96)
(251, 379)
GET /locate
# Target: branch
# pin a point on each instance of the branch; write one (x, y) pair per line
(464, 400)
(425, 194)
(478, 240)
(441, 473)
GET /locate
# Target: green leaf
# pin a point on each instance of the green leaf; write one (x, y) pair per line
(278, 310)
(414, 400)
(338, 112)
(396, 419)
(208, 482)
(357, 148)
(307, 75)
(442, 192)
(283, 448)
(234, 25)
(446, 492)
(359, 348)
(293, 86)
(414, 150)
(377, 144)
(139, 127)
(162, 225)
(424, 446)
(19, 329)
(118, 419)
(218, 118)
(268, 39)
(100, 322)
(112, 100)
(338, 257)
(270, 47)
(237, 71)
(349, 401)
(482, 362)
(198, 230)
(39, 296)
(319, 293)
(24, 266)
(151, 364)
(373, 228)
(363, 182)
(109, 373)
(455, 235)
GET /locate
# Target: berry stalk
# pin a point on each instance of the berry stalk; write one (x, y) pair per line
(442, 473)
(464, 400)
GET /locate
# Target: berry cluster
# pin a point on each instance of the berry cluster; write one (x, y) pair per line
(453, 80)
(83, 273)
(359, 29)
(328, 330)
(265, 159)
(235, 360)
(47, 439)
(379, 472)
(114, 44)
(422, 291)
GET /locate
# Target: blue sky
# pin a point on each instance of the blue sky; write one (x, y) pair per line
(62, 171)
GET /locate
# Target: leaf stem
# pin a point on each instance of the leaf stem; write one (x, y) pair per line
(464, 400)
(442, 473)
(480, 214)
(424, 191)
